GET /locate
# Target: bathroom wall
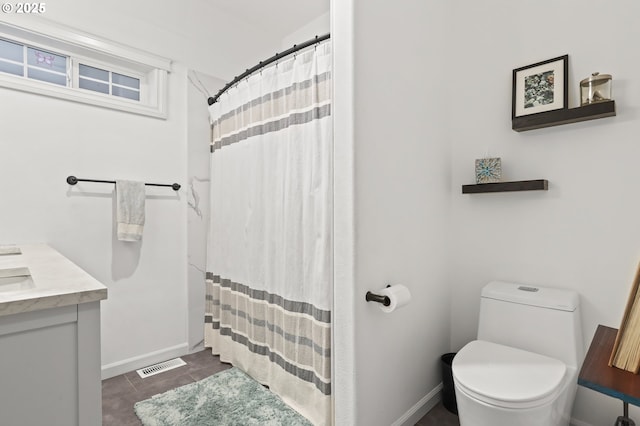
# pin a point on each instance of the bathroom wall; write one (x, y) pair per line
(451, 66)
(390, 119)
(192, 32)
(583, 232)
(317, 27)
(145, 318)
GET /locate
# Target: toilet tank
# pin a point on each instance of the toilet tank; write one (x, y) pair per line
(537, 319)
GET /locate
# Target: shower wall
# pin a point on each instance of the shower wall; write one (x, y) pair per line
(198, 154)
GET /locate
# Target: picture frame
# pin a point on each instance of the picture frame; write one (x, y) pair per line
(540, 87)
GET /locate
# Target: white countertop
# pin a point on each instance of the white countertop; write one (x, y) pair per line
(56, 281)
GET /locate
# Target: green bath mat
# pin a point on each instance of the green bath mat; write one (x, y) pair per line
(228, 398)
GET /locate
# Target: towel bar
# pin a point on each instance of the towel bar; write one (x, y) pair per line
(72, 180)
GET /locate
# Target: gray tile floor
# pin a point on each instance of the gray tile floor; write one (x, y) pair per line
(439, 416)
(120, 393)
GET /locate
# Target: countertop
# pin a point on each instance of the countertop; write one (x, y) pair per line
(56, 281)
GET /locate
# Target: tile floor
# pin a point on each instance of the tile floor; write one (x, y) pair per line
(439, 416)
(120, 393)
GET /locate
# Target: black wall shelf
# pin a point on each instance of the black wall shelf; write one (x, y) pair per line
(521, 185)
(564, 116)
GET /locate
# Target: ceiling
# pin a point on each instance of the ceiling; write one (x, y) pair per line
(275, 16)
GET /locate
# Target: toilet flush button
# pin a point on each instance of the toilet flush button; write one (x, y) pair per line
(530, 289)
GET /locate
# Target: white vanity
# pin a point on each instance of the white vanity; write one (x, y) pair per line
(49, 339)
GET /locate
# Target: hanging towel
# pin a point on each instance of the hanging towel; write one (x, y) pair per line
(129, 210)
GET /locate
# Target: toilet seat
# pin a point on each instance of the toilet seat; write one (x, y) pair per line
(507, 377)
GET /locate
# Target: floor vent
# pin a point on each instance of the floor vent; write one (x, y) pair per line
(160, 367)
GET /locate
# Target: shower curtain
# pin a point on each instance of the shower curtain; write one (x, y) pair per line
(269, 259)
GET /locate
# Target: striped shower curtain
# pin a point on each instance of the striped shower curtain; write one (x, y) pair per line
(269, 258)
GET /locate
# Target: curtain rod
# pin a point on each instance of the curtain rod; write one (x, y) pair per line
(72, 180)
(317, 39)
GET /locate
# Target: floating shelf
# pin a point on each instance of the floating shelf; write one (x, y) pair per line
(521, 185)
(564, 116)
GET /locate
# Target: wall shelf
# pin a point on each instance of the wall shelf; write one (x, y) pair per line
(564, 116)
(521, 185)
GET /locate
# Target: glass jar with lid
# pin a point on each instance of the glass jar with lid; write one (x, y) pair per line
(596, 88)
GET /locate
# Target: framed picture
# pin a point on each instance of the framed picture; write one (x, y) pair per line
(541, 87)
(488, 170)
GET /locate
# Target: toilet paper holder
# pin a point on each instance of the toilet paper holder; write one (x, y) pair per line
(372, 297)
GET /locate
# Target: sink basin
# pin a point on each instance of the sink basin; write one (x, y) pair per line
(15, 279)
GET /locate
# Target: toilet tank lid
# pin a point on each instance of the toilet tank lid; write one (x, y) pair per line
(546, 297)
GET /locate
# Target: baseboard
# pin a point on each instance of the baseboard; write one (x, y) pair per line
(130, 364)
(420, 408)
(576, 422)
(197, 348)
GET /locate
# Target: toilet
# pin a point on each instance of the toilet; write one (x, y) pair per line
(523, 368)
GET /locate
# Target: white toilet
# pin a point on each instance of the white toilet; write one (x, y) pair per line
(523, 368)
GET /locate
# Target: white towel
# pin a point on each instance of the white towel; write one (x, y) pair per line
(129, 210)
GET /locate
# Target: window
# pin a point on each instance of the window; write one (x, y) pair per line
(109, 82)
(78, 67)
(25, 61)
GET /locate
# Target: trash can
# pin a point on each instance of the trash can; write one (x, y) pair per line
(448, 389)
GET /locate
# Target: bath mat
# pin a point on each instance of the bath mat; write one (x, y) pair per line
(228, 398)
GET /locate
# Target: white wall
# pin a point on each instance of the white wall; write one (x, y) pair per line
(192, 32)
(401, 203)
(432, 92)
(145, 318)
(44, 141)
(581, 234)
(343, 357)
(318, 27)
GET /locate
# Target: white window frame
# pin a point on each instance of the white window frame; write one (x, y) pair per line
(75, 77)
(90, 50)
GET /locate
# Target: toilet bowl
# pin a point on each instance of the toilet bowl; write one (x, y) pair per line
(499, 385)
(523, 368)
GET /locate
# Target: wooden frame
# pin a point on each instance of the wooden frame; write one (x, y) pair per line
(540, 87)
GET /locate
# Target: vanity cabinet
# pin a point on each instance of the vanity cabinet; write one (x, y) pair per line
(50, 343)
(50, 367)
